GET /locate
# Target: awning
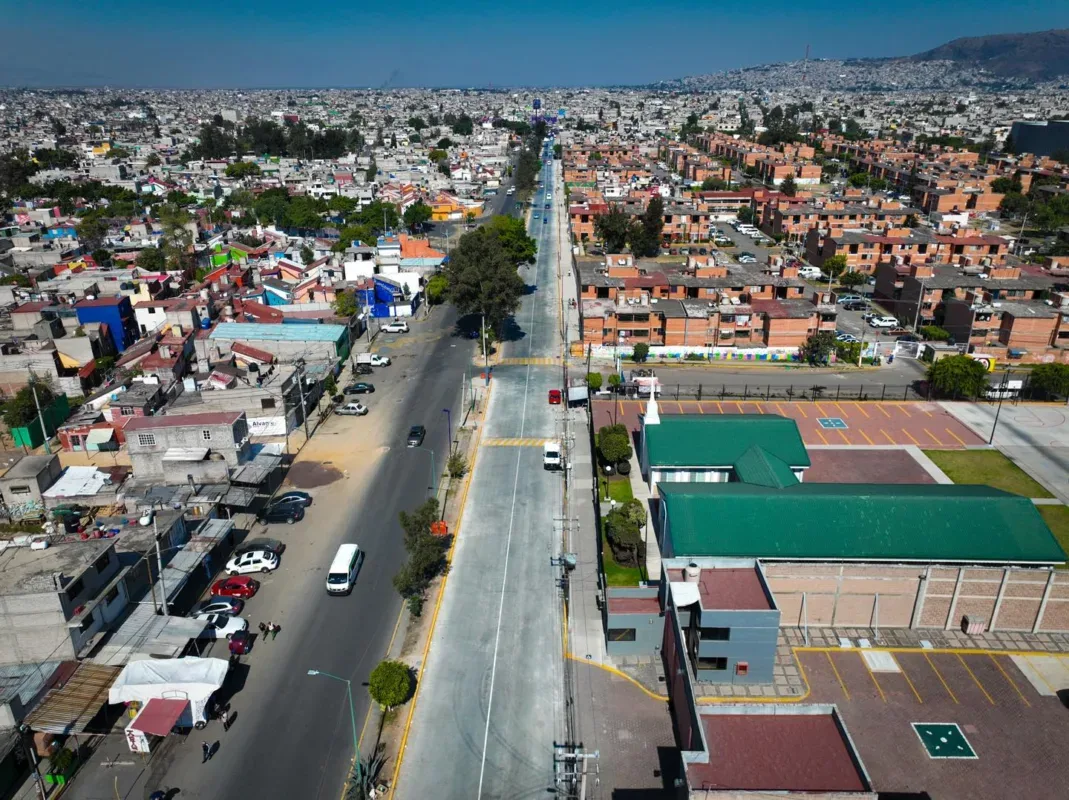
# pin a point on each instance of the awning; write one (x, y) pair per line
(70, 708)
(100, 435)
(185, 454)
(159, 716)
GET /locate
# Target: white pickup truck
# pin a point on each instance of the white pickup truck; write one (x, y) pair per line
(373, 359)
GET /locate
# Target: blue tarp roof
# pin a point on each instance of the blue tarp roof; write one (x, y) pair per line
(264, 332)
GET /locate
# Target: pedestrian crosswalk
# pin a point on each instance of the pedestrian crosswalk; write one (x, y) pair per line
(505, 442)
(522, 362)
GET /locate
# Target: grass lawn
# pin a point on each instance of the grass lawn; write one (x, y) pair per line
(618, 488)
(1057, 518)
(988, 467)
(616, 575)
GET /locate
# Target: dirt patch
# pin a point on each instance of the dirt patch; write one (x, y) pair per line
(853, 465)
(310, 474)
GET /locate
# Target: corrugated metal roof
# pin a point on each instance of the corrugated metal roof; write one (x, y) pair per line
(69, 708)
(690, 440)
(759, 466)
(256, 332)
(862, 522)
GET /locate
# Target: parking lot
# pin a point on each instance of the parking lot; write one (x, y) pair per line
(953, 724)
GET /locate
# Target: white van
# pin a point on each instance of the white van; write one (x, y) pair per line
(551, 456)
(342, 573)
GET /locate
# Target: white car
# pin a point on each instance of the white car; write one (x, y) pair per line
(351, 410)
(221, 625)
(252, 561)
(395, 327)
(883, 322)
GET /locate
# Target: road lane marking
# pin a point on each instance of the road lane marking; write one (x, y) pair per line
(1012, 682)
(939, 675)
(976, 680)
(958, 438)
(517, 442)
(837, 675)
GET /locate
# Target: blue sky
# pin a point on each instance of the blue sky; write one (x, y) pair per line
(195, 43)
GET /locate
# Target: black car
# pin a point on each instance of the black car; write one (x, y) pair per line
(360, 388)
(260, 543)
(415, 435)
(299, 498)
(287, 512)
(363, 369)
(856, 305)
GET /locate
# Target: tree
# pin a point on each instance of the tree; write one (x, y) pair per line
(437, 155)
(614, 443)
(372, 171)
(390, 684)
(852, 278)
(21, 410)
(849, 352)
(614, 382)
(933, 333)
(457, 466)
(1005, 185)
(483, 278)
(345, 304)
(959, 376)
(307, 255)
(713, 185)
(645, 237)
(858, 179)
(624, 537)
(1050, 379)
(444, 143)
(417, 123)
(640, 352)
(436, 289)
(834, 265)
(426, 554)
(817, 349)
(745, 214)
(788, 186)
(613, 227)
(153, 160)
(242, 169)
(1015, 203)
(345, 206)
(91, 232)
(416, 215)
(593, 381)
(463, 126)
(512, 234)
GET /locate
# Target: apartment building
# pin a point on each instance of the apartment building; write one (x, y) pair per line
(1028, 330)
(865, 251)
(794, 220)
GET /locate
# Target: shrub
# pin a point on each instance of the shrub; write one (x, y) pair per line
(593, 381)
(624, 538)
(614, 444)
(623, 467)
(640, 352)
(390, 684)
(934, 333)
(457, 466)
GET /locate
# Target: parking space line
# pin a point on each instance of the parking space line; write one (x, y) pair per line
(867, 439)
(739, 406)
(926, 411)
(820, 408)
(1012, 682)
(779, 408)
(837, 675)
(821, 435)
(840, 432)
(900, 408)
(933, 436)
(719, 408)
(679, 405)
(910, 436)
(976, 680)
(884, 410)
(955, 436)
(939, 675)
(801, 410)
(842, 414)
(759, 409)
(911, 686)
(862, 410)
(620, 406)
(885, 433)
(872, 675)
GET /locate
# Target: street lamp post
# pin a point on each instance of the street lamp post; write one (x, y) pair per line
(1001, 393)
(352, 717)
(431, 487)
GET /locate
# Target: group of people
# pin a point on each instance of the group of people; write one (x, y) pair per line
(271, 628)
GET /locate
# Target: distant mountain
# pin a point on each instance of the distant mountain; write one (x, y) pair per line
(1040, 56)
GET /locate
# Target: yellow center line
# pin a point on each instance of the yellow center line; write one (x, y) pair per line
(862, 410)
(1013, 683)
(837, 675)
(884, 410)
(900, 408)
(939, 675)
(933, 437)
(821, 435)
(910, 437)
(911, 686)
(976, 680)
(872, 675)
(955, 436)
(885, 433)
(840, 432)
(867, 439)
(801, 410)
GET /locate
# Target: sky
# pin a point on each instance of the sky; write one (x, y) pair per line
(460, 43)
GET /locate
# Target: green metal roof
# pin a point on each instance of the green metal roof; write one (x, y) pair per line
(863, 522)
(719, 440)
(759, 466)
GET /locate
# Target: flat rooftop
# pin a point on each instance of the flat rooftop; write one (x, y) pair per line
(777, 752)
(26, 571)
(723, 588)
(634, 605)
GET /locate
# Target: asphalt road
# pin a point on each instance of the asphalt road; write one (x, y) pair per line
(490, 703)
(292, 737)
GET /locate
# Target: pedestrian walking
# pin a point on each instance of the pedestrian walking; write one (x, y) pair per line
(263, 630)
(275, 629)
(270, 628)
(226, 719)
(206, 750)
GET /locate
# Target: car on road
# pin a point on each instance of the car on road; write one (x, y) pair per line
(360, 387)
(883, 322)
(545, 221)
(511, 191)
(364, 369)
(747, 258)
(241, 586)
(855, 305)
(240, 643)
(373, 360)
(846, 338)
(261, 543)
(548, 206)
(221, 626)
(297, 498)
(849, 298)
(287, 512)
(908, 337)
(416, 435)
(253, 561)
(554, 397)
(549, 195)
(536, 215)
(218, 605)
(351, 410)
(397, 326)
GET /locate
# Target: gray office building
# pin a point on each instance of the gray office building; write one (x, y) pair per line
(1040, 138)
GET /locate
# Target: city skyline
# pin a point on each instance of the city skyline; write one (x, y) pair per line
(199, 46)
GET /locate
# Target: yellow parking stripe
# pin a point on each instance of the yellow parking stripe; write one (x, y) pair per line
(885, 433)
(903, 411)
(911, 686)
(933, 437)
(872, 675)
(1012, 682)
(976, 680)
(867, 439)
(958, 438)
(910, 437)
(884, 410)
(821, 435)
(859, 408)
(939, 675)
(837, 675)
(840, 432)
(505, 442)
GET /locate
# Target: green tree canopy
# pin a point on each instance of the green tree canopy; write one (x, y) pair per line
(242, 169)
(512, 235)
(463, 126)
(444, 143)
(390, 684)
(1050, 379)
(151, 259)
(614, 443)
(958, 376)
(345, 304)
(307, 255)
(852, 279)
(788, 186)
(416, 215)
(21, 410)
(613, 227)
(834, 265)
(436, 289)
(817, 349)
(593, 381)
(483, 278)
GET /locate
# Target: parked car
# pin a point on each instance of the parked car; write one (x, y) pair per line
(883, 322)
(855, 305)
(746, 258)
(364, 369)
(221, 625)
(261, 543)
(252, 561)
(849, 298)
(218, 605)
(415, 435)
(703, 251)
(241, 586)
(287, 512)
(554, 397)
(397, 326)
(908, 337)
(373, 360)
(297, 498)
(240, 643)
(351, 410)
(360, 387)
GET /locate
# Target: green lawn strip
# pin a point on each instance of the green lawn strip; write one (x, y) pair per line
(988, 467)
(1057, 518)
(616, 574)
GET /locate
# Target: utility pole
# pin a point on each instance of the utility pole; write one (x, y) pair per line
(920, 304)
(486, 355)
(40, 416)
(998, 410)
(304, 404)
(159, 562)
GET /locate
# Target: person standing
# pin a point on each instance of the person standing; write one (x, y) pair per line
(274, 630)
(270, 629)
(206, 750)
(226, 719)
(263, 631)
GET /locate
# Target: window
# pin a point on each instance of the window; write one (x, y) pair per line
(716, 663)
(146, 439)
(716, 634)
(74, 589)
(126, 411)
(19, 490)
(621, 634)
(101, 563)
(267, 403)
(110, 597)
(206, 435)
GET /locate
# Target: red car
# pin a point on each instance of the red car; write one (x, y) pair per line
(554, 397)
(236, 586)
(240, 643)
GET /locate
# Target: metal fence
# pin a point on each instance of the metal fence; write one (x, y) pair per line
(766, 392)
